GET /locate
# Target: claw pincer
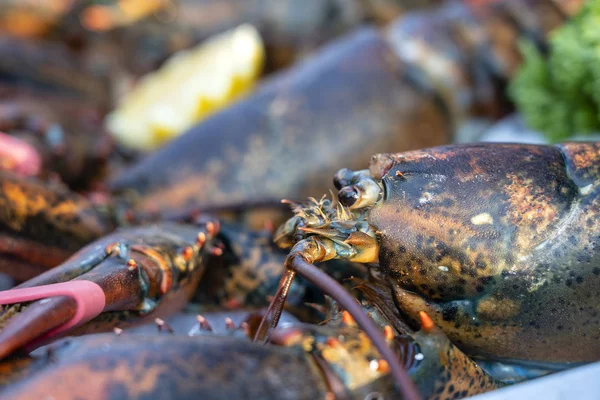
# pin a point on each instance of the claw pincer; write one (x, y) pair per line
(140, 274)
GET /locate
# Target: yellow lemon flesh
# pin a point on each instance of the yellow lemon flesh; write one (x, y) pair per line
(190, 86)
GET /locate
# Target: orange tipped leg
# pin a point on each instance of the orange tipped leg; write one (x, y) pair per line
(426, 322)
(127, 278)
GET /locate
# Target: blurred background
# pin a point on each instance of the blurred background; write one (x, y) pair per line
(270, 97)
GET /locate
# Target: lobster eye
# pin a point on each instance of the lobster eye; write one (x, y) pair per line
(343, 178)
(348, 196)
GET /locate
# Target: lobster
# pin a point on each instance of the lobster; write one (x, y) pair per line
(496, 242)
(154, 261)
(471, 206)
(391, 98)
(321, 230)
(336, 361)
(127, 277)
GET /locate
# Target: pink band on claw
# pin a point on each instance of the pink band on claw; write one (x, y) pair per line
(88, 295)
(18, 156)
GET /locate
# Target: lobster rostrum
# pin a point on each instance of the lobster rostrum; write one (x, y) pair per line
(130, 276)
(497, 242)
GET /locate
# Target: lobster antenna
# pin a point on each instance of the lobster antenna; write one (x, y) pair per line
(296, 263)
(275, 307)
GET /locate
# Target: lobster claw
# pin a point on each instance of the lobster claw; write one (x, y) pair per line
(129, 277)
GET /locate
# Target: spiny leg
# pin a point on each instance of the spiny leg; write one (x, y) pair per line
(297, 263)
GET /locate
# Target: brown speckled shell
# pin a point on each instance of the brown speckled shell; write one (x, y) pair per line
(164, 366)
(42, 224)
(499, 244)
(444, 372)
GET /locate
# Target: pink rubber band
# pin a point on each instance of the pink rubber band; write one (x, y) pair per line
(88, 295)
(25, 159)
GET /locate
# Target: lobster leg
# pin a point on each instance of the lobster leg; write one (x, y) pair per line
(300, 262)
(142, 273)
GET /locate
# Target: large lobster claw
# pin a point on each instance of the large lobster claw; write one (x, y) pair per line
(126, 278)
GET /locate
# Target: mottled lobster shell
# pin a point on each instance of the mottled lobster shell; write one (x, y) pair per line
(106, 366)
(42, 224)
(499, 243)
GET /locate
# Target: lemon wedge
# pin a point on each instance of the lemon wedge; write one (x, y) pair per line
(189, 87)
